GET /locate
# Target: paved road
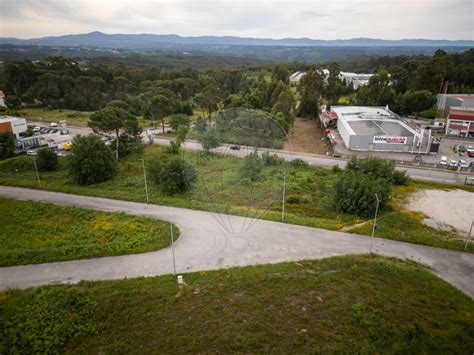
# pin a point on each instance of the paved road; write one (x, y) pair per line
(321, 160)
(213, 241)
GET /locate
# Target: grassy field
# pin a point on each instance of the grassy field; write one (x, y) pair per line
(33, 232)
(308, 196)
(355, 304)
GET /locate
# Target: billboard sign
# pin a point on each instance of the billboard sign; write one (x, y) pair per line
(390, 139)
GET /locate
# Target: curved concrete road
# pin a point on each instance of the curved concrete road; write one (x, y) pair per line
(213, 241)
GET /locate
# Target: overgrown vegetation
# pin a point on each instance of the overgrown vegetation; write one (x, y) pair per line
(356, 304)
(34, 232)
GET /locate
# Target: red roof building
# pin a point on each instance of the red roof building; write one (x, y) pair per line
(460, 122)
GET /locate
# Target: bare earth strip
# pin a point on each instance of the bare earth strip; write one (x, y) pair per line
(306, 137)
(454, 207)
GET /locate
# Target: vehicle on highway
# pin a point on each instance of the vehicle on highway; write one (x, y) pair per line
(444, 160)
(53, 124)
(453, 165)
(235, 147)
(31, 152)
(463, 164)
(36, 129)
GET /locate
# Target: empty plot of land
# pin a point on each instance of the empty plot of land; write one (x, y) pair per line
(454, 207)
(306, 137)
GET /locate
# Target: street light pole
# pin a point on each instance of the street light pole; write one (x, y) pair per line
(172, 246)
(283, 198)
(468, 238)
(144, 178)
(375, 222)
(37, 174)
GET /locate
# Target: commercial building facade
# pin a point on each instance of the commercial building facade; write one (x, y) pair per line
(460, 122)
(378, 129)
(444, 102)
(14, 125)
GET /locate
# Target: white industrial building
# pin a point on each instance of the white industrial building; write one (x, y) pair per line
(14, 125)
(296, 76)
(357, 80)
(379, 129)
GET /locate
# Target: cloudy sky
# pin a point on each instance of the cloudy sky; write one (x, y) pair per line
(321, 19)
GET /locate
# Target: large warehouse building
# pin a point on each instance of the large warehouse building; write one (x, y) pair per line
(379, 129)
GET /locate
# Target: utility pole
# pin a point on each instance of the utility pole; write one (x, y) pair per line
(283, 198)
(468, 238)
(37, 174)
(144, 178)
(172, 246)
(375, 222)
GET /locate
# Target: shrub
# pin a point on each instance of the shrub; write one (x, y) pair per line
(373, 167)
(91, 161)
(209, 140)
(7, 145)
(299, 163)
(47, 160)
(17, 164)
(354, 193)
(293, 200)
(171, 174)
(200, 125)
(336, 168)
(271, 159)
(252, 168)
(400, 178)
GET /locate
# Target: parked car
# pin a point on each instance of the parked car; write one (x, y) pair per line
(417, 159)
(463, 164)
(235, 147)
(470, 151)
(462, 149)
(453, 165)
(53, 124)
(36, 129)
(444, 160)
(31, 152)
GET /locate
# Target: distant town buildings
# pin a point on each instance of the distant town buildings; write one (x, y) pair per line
(296, 76)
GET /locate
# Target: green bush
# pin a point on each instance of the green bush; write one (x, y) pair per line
(400, 178)
(7, 145)
(373, 167)
(299, 163)
(171, 173)
(354, 193)
(271, 159)
(293, 200)
(252, 168)
(91, 161)
(47, 160)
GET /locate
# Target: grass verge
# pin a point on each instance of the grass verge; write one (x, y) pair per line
(351, 304)
(34, 232)
(308, 194)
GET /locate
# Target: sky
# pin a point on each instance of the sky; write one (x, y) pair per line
(317, 19)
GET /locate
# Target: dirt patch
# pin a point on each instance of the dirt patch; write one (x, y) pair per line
(454, 207)
(306, 137)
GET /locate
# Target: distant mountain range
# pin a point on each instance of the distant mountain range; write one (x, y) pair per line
(153, 41)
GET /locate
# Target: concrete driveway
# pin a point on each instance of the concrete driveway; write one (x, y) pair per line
(212, 241)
